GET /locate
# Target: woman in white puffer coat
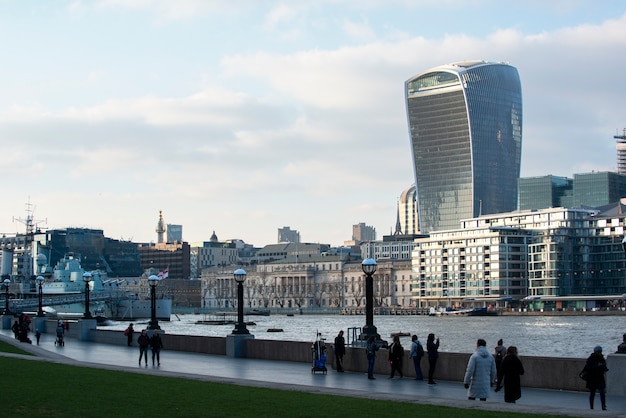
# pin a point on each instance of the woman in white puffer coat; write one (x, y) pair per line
(480, 373)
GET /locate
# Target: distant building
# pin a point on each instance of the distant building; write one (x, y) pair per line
(300, 251)
(210, 254)
(545, 192)
(589, 190)
(598, 188)
(362, 232)
(620, 148)
(286, 234)
(173, 257)
(174, 233)
(407, 219)
(160, 229)
(465, 125)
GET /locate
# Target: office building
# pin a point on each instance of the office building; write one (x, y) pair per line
(286, 234)
(465, 126)
(174, 233)
(407, 223)
(598, 188)
(545, 192)
(362, 232)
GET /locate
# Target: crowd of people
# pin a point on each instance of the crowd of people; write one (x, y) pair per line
(485, 372)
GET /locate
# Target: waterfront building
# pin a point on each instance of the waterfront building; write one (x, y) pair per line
(315, 283)
(465, 126)
(286, 234)
(559, 257)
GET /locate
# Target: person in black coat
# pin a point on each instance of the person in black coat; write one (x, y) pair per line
(596, 367)
(396, 355)
(510, 371)
(340, 350)
(432, 347)
(156, 344)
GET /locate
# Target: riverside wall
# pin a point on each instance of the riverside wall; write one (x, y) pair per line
(541, 372)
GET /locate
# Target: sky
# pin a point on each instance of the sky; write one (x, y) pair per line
(242, 117)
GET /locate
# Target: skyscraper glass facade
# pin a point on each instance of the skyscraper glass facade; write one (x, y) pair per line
(465, 124)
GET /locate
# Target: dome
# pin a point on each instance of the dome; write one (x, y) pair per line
(41, 260)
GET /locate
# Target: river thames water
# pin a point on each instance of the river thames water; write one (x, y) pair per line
(551, 336)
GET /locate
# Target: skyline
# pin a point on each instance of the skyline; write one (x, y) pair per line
(245, 118)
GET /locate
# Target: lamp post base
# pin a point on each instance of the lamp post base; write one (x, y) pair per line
(368, 331)
(236, 345)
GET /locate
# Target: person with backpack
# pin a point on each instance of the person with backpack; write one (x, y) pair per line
(372, 347)
(596, 368)
(396, 355)
(499, 353)
(417, 352)
(129, 334)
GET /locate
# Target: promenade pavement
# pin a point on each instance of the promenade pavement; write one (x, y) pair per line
(298, 376)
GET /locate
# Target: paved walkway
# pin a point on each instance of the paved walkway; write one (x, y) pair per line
(298, 376)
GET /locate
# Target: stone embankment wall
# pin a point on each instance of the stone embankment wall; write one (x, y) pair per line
(541, 372)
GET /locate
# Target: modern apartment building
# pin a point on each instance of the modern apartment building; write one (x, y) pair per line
(465, 126)
(569, 257)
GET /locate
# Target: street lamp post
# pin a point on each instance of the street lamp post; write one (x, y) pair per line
(87, 280)
(240, 327)
(40, 280)
(369, 267)
(153, 281)
(7, 282)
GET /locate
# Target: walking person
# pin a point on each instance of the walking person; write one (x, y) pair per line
(396, 355)
(596, 367)
(499, 353)
(417, 352)
(37, 335)
(480, 373)
(340, 350)
(143, 341)
(129, 334)
(510, 371)
(156, 344)
(432, 347)
(370, 351)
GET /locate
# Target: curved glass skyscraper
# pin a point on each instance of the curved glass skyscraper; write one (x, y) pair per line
(465, 123)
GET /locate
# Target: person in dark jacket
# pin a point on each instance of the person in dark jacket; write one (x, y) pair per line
(498, 353)
(596, 367)
(417, 352)
(370, 350)
(432, 346)
(143, 341)
(510, 371)
(340, 350)
(156, 344)
(396, 355)
(129, 334)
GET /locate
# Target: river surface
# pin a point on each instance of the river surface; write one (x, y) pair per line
(551, 336)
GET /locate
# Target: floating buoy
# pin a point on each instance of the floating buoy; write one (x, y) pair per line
(274, 330)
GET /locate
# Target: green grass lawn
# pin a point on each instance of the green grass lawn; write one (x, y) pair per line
(36, 389)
